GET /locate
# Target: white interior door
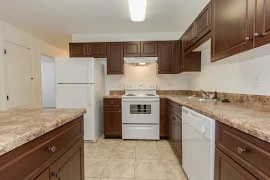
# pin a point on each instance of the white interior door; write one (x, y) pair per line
(18, 74)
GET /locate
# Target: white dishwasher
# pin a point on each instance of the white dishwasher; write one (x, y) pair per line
(198, 145)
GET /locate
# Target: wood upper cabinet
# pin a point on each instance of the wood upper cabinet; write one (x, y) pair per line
(97, 50)
(115, 58)
(202, 24)
(132, 49)
(232, 27)
(166, 57)
(149, 49)
(226, 168)
(262, 29)
(70, 165)
(112, 117)
(78, 49)
(188, 37)
(163, 117)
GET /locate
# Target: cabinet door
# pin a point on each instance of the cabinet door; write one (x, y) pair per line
(166, 57)
(44, 176)
(226, 168)
(189, 37)
(70, 166)
(178, 136)
(78, 49)
(149, 49)
(113, 121)
(115, 58)
(262, 32)
(170, 127)
(232, 29)
(97, 50)
(132, 49)
(202, 23)
(163, 116)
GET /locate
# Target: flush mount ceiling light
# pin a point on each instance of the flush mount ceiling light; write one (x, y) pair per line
(137, 10)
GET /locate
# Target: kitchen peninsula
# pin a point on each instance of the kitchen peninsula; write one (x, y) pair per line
(38, 143)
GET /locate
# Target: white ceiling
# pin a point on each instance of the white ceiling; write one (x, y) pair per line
(57, 20)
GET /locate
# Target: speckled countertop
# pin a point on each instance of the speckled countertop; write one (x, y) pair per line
(246, 118)
(19, 126)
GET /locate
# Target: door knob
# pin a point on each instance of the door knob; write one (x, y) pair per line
(52, 149)
(119, 111)
(241, 150)
(257, 35)
(57, 175)
(248, 38)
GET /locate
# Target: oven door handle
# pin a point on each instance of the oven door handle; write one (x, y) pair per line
(140, 100)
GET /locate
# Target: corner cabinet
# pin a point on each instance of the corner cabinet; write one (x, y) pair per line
(58, 154)
(166, 57)
(232, 33)
(115, 58)
(112, 117)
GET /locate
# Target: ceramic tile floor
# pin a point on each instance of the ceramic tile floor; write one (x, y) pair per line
(115, 159)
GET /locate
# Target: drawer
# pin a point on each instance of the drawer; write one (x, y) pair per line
(250, 152)
(112, 102)
(175, 108)
(39, 152)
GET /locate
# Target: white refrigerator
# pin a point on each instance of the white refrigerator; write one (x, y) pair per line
(80, 84)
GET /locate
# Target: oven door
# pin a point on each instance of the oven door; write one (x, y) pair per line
(140, 111)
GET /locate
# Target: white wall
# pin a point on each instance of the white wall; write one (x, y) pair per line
(233, 74)
(37, 46)
(151, 36)
(48, 81)
(144, 75)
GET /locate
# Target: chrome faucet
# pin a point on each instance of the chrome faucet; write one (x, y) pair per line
(205, 95)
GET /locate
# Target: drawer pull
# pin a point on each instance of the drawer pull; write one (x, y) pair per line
(241, 150)
(52, 149)
(111, 102)
(57, 175)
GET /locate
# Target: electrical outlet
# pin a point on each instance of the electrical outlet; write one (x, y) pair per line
(256, 81)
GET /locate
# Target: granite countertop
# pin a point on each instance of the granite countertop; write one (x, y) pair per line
(246, 118)
(19, 126)
(113, 96)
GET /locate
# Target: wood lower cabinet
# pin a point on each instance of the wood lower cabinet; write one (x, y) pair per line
(227, 169)
(248, 152)
(170, 125)
(166, 57)
(178, 136)
(112, 117)
(262, 28)
(59, 151)
(132, 49)
(115, 58)
(163, 117)
(232, 30)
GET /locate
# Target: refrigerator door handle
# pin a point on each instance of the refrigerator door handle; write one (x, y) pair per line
(89, 94)
(90, 69)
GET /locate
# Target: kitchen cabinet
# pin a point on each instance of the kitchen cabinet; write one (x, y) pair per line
(115, 58)
(178, 136)
(226, 168)
(232, 30)
(188, 37)
(112, 117)
(163, 115)
(262, 28)
(166, 57)
(249, 156)
(170, 127)
(149, 49)
(78, 49)
(132, 49)
(97, 50)
(55, 152)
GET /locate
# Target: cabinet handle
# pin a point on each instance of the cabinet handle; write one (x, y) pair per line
(257, 35)
(248, 38)
(111, 102)
(241, 150)
(52, 149)
(119, 111)
(57, 175)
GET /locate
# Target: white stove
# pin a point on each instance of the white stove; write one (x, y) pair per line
(140, 113)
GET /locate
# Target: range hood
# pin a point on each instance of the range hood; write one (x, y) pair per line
(140, 60)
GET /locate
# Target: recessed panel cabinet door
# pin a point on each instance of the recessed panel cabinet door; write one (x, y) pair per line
(178, 135)
(262, 30)
(132, 49)
(166, 57)
(112, 121)
(227, 169)
(44, 176)
(149, 49)
(97, 50)
(78, 49)
(232, 28)
(115, 58)
(189, 37)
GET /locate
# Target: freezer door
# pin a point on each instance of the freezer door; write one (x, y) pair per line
(75, 70)
(79, 96)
